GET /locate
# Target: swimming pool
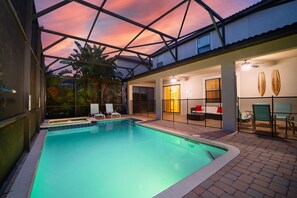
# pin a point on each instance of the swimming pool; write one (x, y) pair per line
(116, 159)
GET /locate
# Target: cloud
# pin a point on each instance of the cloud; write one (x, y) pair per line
(76, 19)
(73, 18)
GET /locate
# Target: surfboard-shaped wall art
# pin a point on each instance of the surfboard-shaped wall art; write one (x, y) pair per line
(275, 82)
(261, 83)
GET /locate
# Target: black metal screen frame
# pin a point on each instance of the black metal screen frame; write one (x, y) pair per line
(168, 40)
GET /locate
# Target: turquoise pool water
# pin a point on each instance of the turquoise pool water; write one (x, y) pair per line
(116, 159)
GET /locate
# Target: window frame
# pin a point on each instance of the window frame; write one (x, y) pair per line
(160, 64)
(203, 46)
(219, 90)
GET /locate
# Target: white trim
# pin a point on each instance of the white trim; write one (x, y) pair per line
(23, 184)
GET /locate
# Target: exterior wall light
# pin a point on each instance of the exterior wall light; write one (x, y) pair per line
(246, 66)
(7, 89)
(173, 79)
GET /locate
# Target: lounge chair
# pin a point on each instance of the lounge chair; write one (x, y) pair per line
(110, 111)
(291, 122)
(94, 107)
(282, 110)
(244, 117)
(261, 112)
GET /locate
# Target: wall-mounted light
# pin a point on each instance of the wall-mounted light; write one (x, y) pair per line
(7, 89)
(246, 66)
(173, 79)
(189, 93)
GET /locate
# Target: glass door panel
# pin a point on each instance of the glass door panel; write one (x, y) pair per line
(171, 97)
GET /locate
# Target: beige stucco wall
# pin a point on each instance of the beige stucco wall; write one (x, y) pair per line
(248, 80)
(247, 83)
(274, 46)
(197, 85)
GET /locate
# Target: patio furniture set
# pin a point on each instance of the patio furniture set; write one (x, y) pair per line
(261, 112)
(283, 112)
(200, 113)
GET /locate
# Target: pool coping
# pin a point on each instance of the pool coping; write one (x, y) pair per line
(46, 124)
(184, 186)
(24, 181)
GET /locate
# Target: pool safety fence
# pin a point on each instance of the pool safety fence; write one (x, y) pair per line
(278, 121)
(68, 111)
(193, 111)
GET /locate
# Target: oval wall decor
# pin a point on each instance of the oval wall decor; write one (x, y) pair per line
(261, 83)
(275, 82)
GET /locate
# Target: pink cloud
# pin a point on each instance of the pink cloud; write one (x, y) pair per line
(73, 18)
(76, 19)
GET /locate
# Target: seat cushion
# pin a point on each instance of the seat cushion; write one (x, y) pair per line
(219, 110)
(198, 107)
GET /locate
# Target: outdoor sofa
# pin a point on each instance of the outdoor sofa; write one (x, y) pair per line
(209, 112)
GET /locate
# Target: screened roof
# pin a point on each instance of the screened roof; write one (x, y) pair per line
(130, 27)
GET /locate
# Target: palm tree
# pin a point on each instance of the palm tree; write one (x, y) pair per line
(94, 69)
(60, 94)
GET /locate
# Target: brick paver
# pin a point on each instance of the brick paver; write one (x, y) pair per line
(254, 193)
(265, 167)
(246, 178)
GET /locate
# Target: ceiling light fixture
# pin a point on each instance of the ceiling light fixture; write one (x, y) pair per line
(246, 66)
(173, 79)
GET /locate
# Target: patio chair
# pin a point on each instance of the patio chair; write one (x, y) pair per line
(282, 110)
(94, 107)
(261, 112)
(291, 122)
(243, 117)
(110, 111)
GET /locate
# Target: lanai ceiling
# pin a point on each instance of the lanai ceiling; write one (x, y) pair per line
(129, 28)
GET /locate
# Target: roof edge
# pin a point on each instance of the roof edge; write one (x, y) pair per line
(256, 40)
(262, 5)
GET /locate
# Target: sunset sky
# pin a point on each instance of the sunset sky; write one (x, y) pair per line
(76, 19)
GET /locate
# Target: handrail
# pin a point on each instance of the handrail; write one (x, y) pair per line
(254, 97)
(10, 120)
(267, 97)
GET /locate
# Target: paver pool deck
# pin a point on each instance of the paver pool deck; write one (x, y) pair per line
(265, 167)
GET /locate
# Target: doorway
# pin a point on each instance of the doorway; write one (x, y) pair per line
(172, 98)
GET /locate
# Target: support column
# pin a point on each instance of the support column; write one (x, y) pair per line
(229, 95)
(27, 70)
(159, 97)
(130, 99)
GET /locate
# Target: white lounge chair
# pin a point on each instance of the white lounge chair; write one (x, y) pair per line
(94, 107)
(110, 111)
(243, 117)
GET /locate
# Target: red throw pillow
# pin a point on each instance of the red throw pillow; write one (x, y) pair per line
(220, 110)
(198, 108)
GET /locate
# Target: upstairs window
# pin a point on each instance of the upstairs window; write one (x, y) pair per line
(203, 44)
(160, 64)
(160, 60)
